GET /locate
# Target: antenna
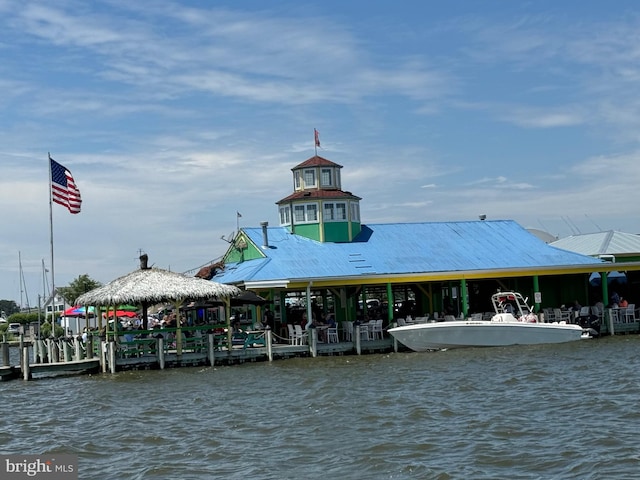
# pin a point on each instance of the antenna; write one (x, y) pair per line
(228, 240)
(597, 226)
(571, 227)
(576, 227)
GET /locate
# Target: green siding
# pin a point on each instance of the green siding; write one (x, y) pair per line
(308, 230)
(336, 232)
(250, 252)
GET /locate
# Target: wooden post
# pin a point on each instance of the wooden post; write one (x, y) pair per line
(89, 346)
(212, 347)
(160, 351)
(268, 340)
(313, 343)
(66, 351)
(357, 340)
(611, 329)
(103, 355)
(78, 348)
(112, 356)
(50, 350)
(35, 351)
(22, 351)
(42, 351)
(26, 373)
(4, 348)
(395, 341)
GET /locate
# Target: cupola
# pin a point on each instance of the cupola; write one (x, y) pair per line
(318, 208)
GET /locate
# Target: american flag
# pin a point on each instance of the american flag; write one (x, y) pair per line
(63, 187)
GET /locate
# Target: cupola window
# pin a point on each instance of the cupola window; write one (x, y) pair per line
(326, 178)
(309, 178)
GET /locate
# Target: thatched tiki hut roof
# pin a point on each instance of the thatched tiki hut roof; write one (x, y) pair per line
(148, 286)
(155, 286)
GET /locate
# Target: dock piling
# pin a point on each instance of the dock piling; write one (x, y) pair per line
(26, 372)
(268, 339)
(4, 348)
(212, 347)
(160, 350)
(313, 344)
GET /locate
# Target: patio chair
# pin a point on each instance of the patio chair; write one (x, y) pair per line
(347, 331)
(364, 332)
(375, 329)
(293, 340)
(300, 335)
(332, 335)
(630, 313)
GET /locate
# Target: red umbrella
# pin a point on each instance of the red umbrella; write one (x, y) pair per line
(123, 313)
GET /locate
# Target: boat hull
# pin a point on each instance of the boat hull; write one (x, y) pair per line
(465, 333)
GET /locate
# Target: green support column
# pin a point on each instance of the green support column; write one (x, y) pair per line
(463, 297)
(605, 288)
(390, 302)
(536, 288)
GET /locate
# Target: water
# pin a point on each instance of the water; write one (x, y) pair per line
(541, 412)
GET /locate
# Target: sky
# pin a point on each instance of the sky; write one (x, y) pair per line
(175, 116)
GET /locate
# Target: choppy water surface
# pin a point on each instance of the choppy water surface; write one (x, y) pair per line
(558, 411)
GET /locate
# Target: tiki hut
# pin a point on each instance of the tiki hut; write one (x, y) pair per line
(148, 286)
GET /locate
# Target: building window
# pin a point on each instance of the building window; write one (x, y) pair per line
(325, 177)
(335, 212)
(296, 179)
(305, 213)
(285, 215)
(309, 178)
(298, 213)
(355, 212)
(328, 213)
(312, 212)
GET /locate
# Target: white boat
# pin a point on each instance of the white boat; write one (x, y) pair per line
(513, 323)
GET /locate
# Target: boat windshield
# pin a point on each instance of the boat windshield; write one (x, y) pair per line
(510, 302)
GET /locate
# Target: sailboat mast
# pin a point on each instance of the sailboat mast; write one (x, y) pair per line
(23, 285)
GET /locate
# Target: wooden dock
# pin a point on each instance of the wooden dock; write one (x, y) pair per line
(54, 369)
(161, 350)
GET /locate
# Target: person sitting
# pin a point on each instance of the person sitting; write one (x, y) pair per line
(576, 306)
(268, 318)
(623, 302)
(615, 299)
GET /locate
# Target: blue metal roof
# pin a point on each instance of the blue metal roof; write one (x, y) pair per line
(400, 248)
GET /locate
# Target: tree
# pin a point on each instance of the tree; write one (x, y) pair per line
(80, 285)
(8, 307)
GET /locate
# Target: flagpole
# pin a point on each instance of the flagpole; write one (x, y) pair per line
(316, 141)
(53, 277)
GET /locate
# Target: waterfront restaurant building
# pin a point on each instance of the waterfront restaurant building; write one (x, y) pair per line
(322, 254)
